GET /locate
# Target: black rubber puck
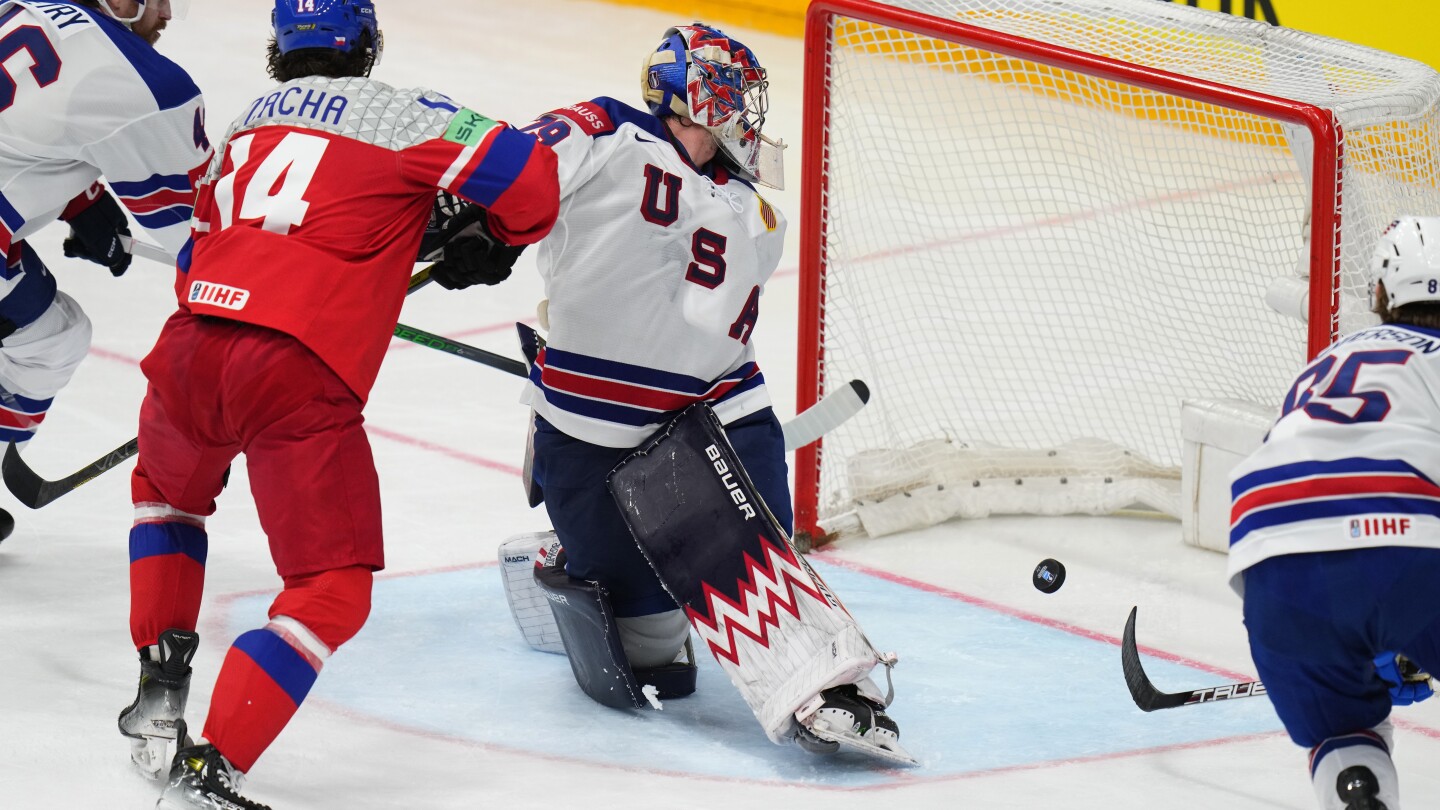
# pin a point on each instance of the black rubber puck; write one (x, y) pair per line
(1049, 576)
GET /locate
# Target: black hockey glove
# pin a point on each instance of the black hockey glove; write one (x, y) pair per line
(95, 235)
(445, 223)
(471, 254)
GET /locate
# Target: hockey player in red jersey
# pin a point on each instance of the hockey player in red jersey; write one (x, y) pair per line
(306, 230)
(85, 96)
(663, 225)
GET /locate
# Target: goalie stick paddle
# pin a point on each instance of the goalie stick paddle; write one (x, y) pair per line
(1148, 698)
(826, 415)
(33, 491)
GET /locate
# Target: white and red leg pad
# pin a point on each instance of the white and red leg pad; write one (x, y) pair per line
(519, 557)
(771, 622)
(1369, 748)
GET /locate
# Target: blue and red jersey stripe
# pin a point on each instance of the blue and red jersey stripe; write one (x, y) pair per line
(628, 394)
(1315, 490)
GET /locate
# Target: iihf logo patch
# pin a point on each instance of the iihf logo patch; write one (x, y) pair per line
(1354, 528)
(218, 295)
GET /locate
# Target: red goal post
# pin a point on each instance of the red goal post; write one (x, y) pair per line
(1205, 111)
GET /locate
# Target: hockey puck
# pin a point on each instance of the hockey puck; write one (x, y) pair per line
(1049, 576)
(7, 524)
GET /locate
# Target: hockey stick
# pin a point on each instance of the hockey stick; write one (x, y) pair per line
(145, 250)
(825, 415)
(33, 491)
(1148, 698)
(431, 340)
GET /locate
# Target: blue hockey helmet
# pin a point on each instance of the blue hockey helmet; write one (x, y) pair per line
(332, 24)
(701, 73)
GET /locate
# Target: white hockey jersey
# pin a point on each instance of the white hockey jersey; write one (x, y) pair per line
(653, 272)
(81, 97)
(1354, 459)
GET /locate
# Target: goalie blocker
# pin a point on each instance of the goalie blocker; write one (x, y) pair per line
(771, 622)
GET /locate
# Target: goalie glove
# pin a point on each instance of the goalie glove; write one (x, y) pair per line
(465, 252)
(1408, 684)
(96, 224)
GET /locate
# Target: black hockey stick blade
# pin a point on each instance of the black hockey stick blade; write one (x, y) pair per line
(1148, 698)
(34, 491)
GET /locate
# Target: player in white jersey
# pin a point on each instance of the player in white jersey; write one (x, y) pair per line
(1335, 531)
(83, 94)
(653, 279)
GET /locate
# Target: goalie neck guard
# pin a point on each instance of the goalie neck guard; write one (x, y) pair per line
(701, 74)
(328, 24)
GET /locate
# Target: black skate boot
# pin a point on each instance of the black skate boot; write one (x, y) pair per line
(202, 779)
(847, 718)
(1358, 788)
(151, 721)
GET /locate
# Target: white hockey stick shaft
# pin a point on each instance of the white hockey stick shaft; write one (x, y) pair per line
(825, 415)
(145, 250)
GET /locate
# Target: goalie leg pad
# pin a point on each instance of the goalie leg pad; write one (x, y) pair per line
(519, 557)
(772, 623)
(591, 640)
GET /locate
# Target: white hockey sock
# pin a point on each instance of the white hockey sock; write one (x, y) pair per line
(1370, 749)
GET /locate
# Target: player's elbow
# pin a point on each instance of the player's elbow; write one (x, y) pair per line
(526, 212)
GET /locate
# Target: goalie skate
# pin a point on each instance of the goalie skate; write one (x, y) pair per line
(845, 718)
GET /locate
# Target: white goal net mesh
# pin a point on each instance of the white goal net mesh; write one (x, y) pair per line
(1032, 267)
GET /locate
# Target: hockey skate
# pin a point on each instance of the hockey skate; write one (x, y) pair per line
(841, 717)
(202, 779)
(151, 722)
(1358, 789)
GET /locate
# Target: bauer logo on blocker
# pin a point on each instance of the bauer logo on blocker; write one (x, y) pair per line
(218, 295)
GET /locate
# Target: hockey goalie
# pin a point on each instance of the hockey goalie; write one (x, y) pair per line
(798, 657)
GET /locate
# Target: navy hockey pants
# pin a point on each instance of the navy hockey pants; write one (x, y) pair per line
(598, 545)
(1317, 621)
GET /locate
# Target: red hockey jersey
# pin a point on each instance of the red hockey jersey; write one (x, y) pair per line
(312, 211)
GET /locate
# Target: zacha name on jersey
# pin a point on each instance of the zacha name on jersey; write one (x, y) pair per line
(298, 103)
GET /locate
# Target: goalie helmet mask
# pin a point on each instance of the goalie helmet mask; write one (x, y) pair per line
(700, 73)
(330, 24)
(1407, 259)
(177, 10)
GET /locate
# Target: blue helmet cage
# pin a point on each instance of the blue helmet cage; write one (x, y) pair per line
(330, 24)
(702, 74)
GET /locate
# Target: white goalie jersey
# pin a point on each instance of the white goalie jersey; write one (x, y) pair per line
(87, 97)
(653, 273)
(1354, 460)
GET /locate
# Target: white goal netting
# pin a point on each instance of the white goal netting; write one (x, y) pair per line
(1034, 266)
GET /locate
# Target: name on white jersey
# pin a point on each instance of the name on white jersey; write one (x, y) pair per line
(68, 18)
(218, 295)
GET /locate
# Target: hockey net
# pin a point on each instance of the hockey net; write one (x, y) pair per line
(1036, 227)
